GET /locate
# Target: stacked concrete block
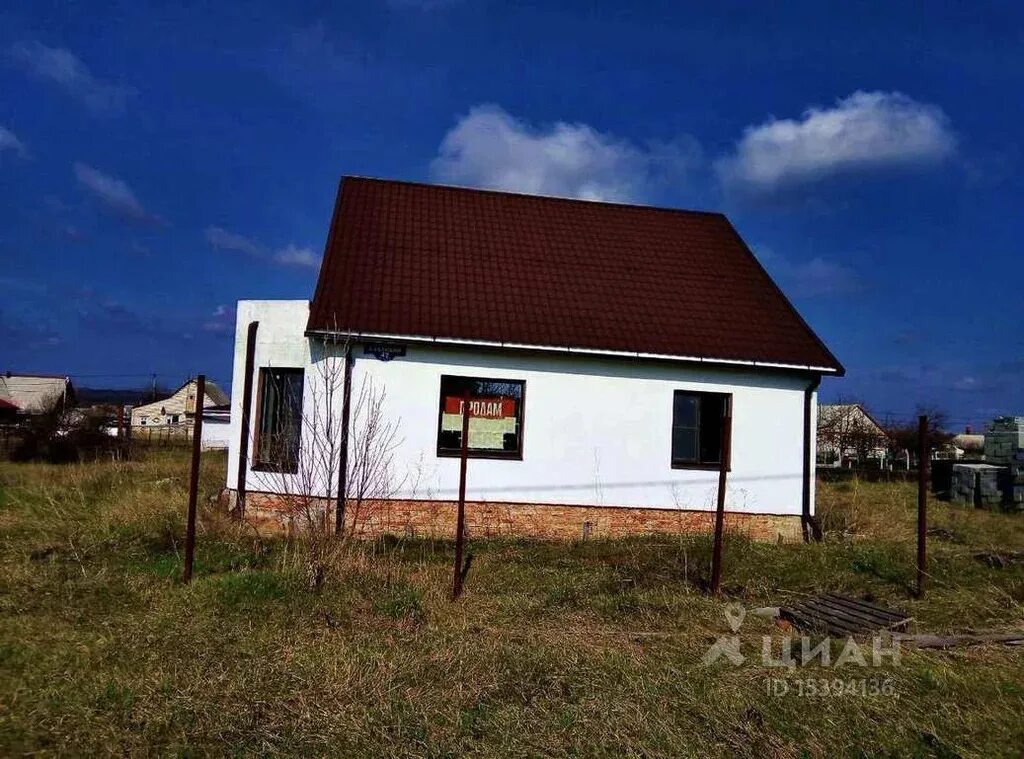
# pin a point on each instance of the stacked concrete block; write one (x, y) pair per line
(977, 484)
(1013, 487)
(1004, 445)
(1005, 439)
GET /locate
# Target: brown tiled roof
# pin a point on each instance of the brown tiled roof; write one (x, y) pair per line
(452, 263)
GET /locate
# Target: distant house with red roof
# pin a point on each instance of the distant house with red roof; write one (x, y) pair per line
(8, 411)
(599, 346)
(34, 394)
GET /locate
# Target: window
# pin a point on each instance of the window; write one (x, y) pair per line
(697, 429)
(495, 417)
(279, 420)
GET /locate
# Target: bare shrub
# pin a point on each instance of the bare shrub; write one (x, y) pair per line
(371, 464)
(309, 445)
(65, 435)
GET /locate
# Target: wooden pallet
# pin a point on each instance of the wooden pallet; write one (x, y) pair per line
(836, 614)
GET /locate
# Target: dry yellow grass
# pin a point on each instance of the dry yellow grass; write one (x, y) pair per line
(589, 649)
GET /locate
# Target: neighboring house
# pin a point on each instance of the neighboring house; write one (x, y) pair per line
(599, 345)
(964, 445)
(34, 394)
(176, 411)
(848, 435)
(8, 411)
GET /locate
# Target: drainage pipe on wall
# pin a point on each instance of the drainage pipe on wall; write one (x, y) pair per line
(811, 526)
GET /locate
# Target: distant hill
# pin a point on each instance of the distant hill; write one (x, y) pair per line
(93, 396)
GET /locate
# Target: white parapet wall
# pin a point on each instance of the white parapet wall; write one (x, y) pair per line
(596, 431)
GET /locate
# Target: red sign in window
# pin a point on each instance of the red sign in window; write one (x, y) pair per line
(490, 420)
(482, 408)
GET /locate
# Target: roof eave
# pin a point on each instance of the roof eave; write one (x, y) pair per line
(567, 349)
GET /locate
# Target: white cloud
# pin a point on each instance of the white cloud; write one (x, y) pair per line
(489, 148)
(221, 239)
(866, 130)
(10, 141)
(821, 276)
(290, 255)
(293, 255)
(64, 69)
(113, 194)
(817, 276)
(221, 321)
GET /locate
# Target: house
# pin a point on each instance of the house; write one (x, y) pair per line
(24, 395)
(176, 411)
(600, 347)
(8, 411)
(964, 445)
(848, 435)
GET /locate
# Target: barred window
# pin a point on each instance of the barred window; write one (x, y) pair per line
(279, 420)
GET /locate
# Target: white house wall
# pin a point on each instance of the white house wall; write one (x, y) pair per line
(280, 343)
(216, 435)
(595, 431)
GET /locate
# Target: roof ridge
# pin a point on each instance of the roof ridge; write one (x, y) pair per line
(536, 196)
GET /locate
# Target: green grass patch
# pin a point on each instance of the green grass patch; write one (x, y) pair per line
(400, 601)
(556, 649)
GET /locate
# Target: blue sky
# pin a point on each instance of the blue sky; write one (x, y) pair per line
(157, 164)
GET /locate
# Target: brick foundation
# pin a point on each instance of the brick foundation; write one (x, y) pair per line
(490, 519)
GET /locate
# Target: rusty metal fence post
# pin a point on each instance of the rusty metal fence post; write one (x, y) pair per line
(193, 483)
(922, 500)
(460, 523)
(723, 468)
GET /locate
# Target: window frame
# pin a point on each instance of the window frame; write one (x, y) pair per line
(257, 430)
(447, 453)
(698, 464)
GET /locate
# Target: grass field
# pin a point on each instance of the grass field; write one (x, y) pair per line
(589, 649)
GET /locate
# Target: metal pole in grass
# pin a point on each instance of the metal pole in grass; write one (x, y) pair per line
(460, 524)
(193, 483)
(723, 468)
(922, 500)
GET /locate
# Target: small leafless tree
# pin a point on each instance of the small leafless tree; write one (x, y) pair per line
(371, 461)
(903, 435)
(298, 454)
